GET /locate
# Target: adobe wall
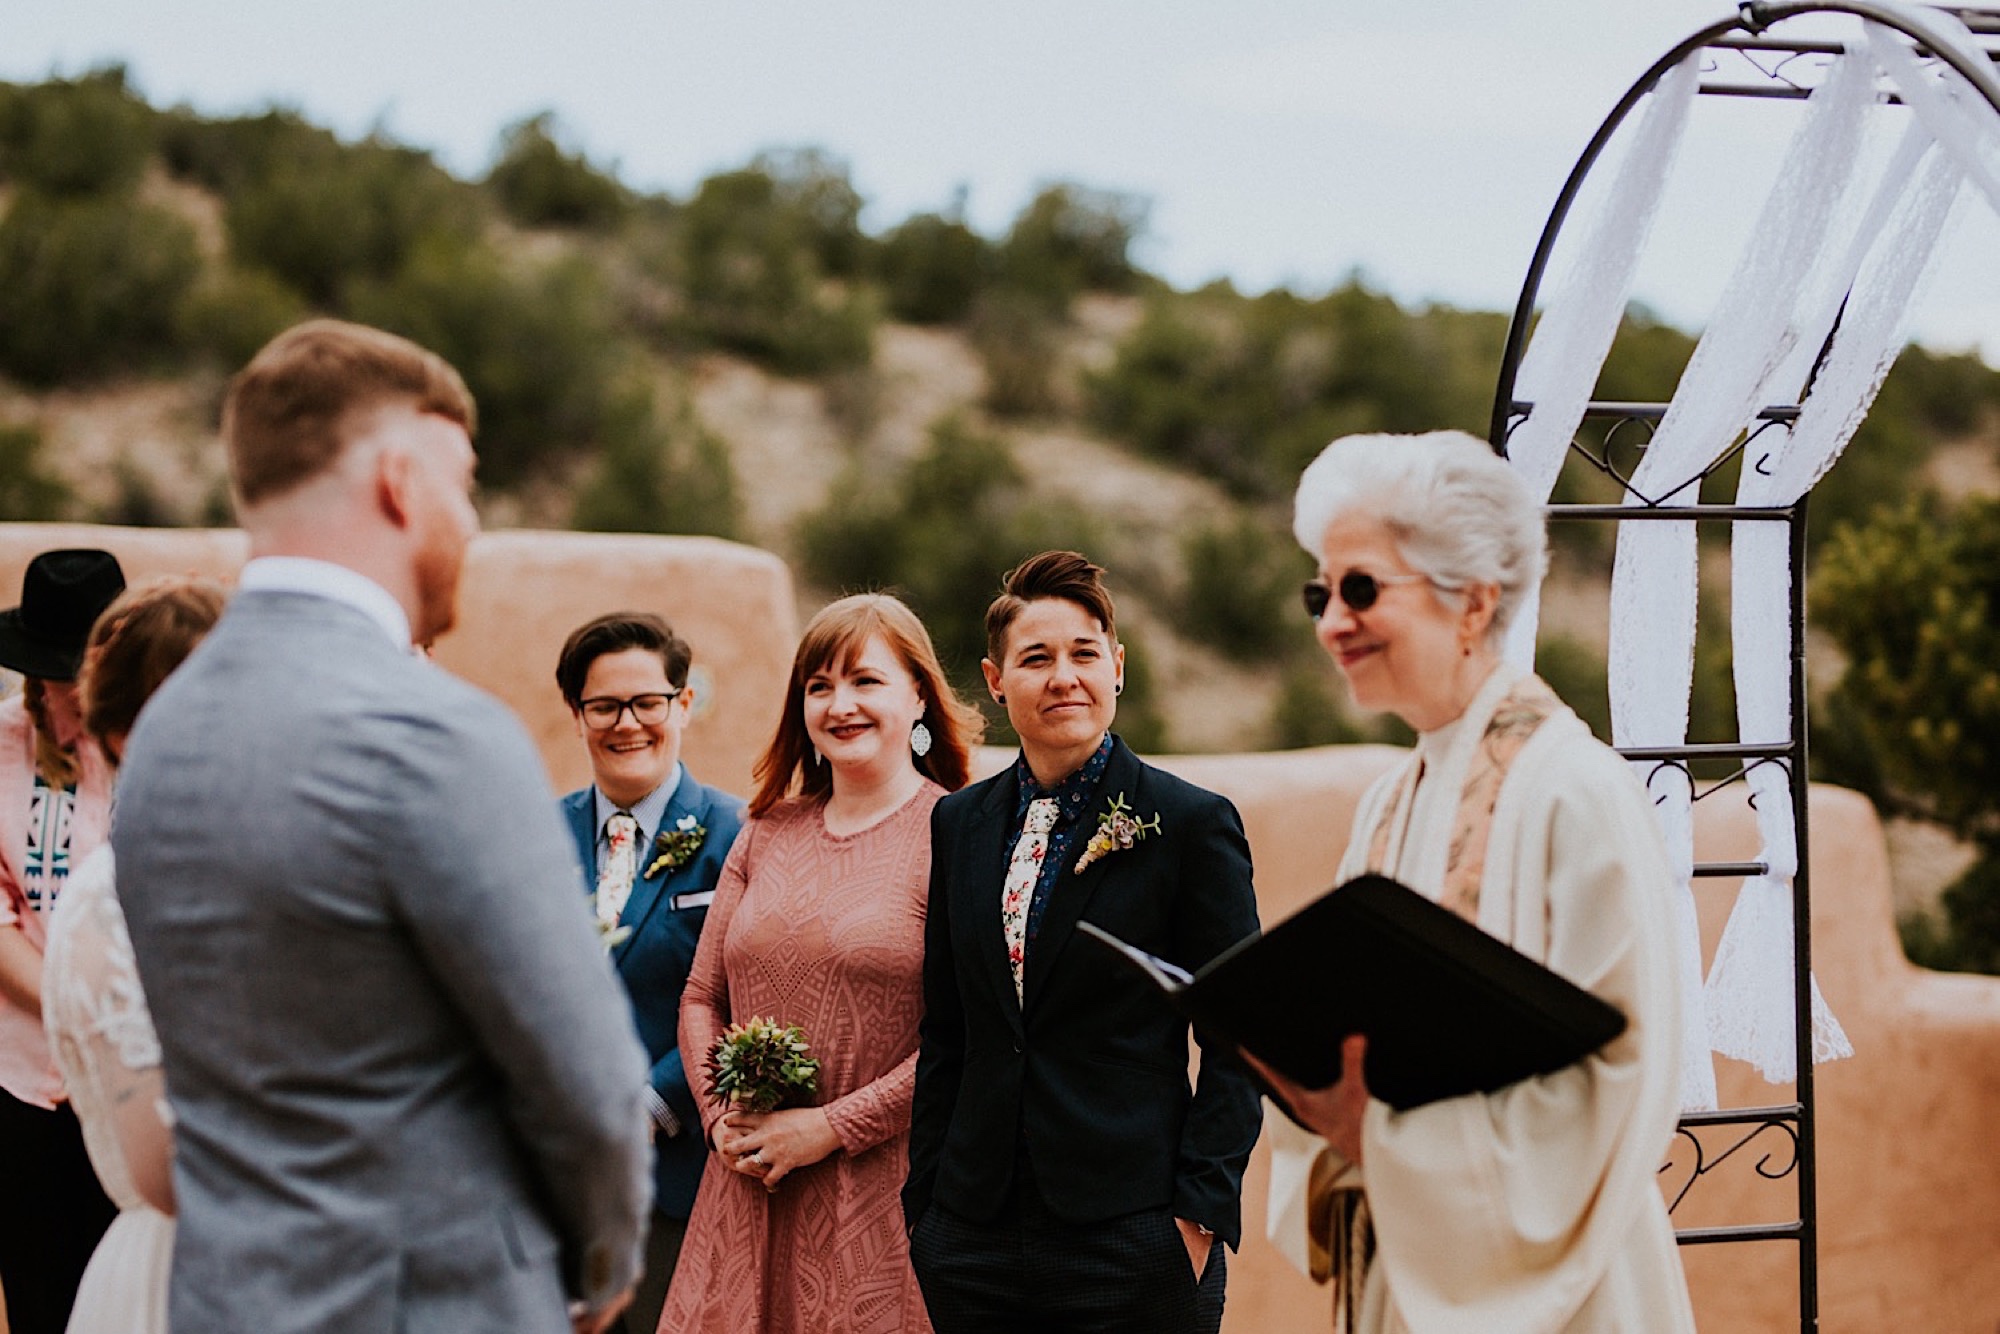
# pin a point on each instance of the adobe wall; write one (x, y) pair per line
(1909, 1179)
(523, 592)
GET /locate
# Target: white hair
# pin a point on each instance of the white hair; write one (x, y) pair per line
(1454, 509)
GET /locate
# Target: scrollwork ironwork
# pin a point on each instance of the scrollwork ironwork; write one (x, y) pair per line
(1704, 1164)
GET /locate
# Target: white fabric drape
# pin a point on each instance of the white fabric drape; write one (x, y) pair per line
(1655, 574)
(1948, 107)
(1750, 990)
(1560, 368)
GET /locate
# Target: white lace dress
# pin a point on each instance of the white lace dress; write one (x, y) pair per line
(103, 1040)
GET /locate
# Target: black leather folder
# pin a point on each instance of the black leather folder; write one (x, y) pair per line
(1447, 1009)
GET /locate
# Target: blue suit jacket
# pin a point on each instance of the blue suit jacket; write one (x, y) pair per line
(665, 912)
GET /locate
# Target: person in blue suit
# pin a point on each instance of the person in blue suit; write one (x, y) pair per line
(652, 842)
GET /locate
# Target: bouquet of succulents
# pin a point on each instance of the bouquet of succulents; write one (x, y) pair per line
(761, 1065)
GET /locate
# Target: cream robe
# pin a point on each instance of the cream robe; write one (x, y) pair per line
(1534, 1208)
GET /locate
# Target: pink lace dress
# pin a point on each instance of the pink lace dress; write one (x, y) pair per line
(825, 932)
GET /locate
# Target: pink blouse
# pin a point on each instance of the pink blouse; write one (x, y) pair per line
(26, 1068)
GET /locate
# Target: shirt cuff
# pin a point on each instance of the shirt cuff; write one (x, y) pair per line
(663, 1115)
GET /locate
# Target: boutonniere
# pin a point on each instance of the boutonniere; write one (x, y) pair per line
(676, 847)
(1117, 829)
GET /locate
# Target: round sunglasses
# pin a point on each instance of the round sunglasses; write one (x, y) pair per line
(1358, 590)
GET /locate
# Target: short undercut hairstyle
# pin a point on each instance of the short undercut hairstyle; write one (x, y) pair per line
(615, 633)
(1068, 575)
(289, 413)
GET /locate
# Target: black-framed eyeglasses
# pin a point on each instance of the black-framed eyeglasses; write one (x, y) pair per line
(1358, 590)
(601, 713)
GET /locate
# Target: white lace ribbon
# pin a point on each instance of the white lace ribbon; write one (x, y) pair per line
(1750, 989)
(1655, 574)
(1561, 365)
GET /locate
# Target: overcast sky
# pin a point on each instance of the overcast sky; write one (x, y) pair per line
(1280, 141)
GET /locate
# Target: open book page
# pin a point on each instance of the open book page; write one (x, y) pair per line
(1168, 977)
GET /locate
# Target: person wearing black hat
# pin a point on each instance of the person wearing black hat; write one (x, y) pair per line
(55, 809)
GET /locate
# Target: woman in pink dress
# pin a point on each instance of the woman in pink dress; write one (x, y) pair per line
(818, 922)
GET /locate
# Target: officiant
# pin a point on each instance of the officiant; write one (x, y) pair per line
(1535, 1206)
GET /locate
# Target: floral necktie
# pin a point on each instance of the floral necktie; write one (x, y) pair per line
(1018, 890)
(621, 864)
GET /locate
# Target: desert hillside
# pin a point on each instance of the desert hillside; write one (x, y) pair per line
(911, 406)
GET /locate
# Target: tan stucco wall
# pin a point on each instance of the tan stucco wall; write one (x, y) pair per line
(1909, 1173)
(522, 594)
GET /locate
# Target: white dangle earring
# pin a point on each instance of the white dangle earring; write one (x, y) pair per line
(920, 738)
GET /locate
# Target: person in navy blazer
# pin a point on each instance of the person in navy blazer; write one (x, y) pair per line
(625, 679)
(1063, 1174)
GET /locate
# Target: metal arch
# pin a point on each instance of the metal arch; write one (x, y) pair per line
(1796, 1120)
(1524, 309)
(1754, 19)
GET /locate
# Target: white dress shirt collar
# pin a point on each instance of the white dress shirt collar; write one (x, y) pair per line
(337, 583)
(649, 810)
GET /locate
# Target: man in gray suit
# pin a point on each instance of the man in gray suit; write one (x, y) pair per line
(408, 1090)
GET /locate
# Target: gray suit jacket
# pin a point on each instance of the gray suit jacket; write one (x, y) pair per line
(408, 1090)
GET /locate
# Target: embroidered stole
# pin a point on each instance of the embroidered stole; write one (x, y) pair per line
(1340, 1237)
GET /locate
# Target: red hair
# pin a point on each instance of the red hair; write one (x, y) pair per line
(839, 634)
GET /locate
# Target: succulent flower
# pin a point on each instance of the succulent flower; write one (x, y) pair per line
(760, 1065)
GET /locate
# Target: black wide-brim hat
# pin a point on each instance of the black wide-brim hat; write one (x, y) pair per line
(62, 595)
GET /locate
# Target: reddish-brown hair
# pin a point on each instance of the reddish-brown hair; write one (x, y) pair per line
(289, 412)
(839, 634)
(136, 644)
(1068, 575)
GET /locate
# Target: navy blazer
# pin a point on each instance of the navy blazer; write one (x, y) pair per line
(665, 912)
(1088, 1076)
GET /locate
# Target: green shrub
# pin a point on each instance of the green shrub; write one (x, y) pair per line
(1965, 935)
(542, 184)
(655, 478)
(1016, 341)
(1072, 239)
(29, 493)
(537, 349)
(227, 155)
(1914, 720)
(932, 269)
(748, 260)
(329, 220)
(1241, 592)
(233, 312)
(812, 186)
(1248, 390)
(1910, 598)
(91, 286)
(1577, 674)
(70, 137)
